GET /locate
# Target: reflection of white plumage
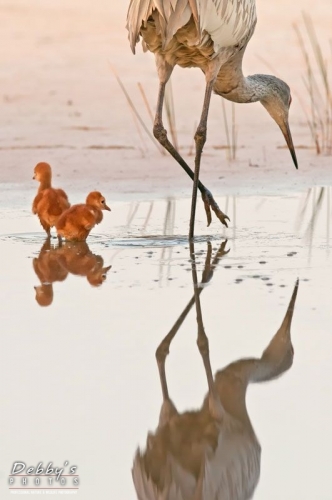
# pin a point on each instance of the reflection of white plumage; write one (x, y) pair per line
(212, 453)
(211, 35)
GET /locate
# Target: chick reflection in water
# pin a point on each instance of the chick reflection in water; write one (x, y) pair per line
(55, 263)
(78, 259)
(212, 453)
(49, 269)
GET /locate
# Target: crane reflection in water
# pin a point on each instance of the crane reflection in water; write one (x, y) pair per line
(213, 452)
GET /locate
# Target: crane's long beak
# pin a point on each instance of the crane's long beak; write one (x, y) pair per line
(286, 324)
(288, 136)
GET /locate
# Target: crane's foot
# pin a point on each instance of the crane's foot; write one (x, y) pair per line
(209, 202)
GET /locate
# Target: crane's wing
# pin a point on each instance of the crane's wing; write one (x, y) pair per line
(228, 22)
(173, 14)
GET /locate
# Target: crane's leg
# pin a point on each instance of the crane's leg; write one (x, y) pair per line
(160, 133)
(168, 409)
(200, 136)
(215, 405)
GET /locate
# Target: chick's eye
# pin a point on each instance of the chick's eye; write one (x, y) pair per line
(103, 201)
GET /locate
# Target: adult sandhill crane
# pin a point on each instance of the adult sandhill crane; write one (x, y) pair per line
(211, 35)
(211, 453)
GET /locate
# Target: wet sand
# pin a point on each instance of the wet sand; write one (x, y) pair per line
(79, 379)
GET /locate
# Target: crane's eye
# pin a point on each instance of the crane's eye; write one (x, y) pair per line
(103, 201)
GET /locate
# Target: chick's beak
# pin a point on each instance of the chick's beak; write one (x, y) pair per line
(106, 207)
(288, 136)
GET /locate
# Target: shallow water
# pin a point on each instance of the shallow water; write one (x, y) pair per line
(79, 376)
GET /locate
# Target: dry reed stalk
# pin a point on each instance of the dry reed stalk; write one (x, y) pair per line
(169, 217)
(315, 201)
(226, 130)
(320, 120)
(169, 106)
(133, 108)
(234, 133)
(309, 83)
(303, 209)
(148, 107)
(168, 229)
(144, 148)
(171, 232)
(192, 146)
(147, 218)
(321, 63)
(145, 100)
(230, 131)
(132, 212)
(316, 208)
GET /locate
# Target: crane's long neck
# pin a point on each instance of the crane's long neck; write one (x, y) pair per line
(243, 89)
(234, 86)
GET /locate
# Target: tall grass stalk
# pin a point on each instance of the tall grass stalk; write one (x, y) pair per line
(234, 132)
(230, 131)
(319, 90)
(170, 113)
(148, 216)
(192, 145)
(228, 141)
(168, 229)
(132, 213)
(149, 110)
(133, 109)
(309, 215)
(145, 100)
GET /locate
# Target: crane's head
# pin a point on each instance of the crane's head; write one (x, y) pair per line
(277, 100)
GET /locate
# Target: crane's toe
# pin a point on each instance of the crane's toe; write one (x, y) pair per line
(209, 202)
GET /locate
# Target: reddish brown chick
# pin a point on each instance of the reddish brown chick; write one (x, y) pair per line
(49, 203)
(76, 223)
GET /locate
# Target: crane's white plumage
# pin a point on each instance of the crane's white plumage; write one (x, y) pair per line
(227, 22)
